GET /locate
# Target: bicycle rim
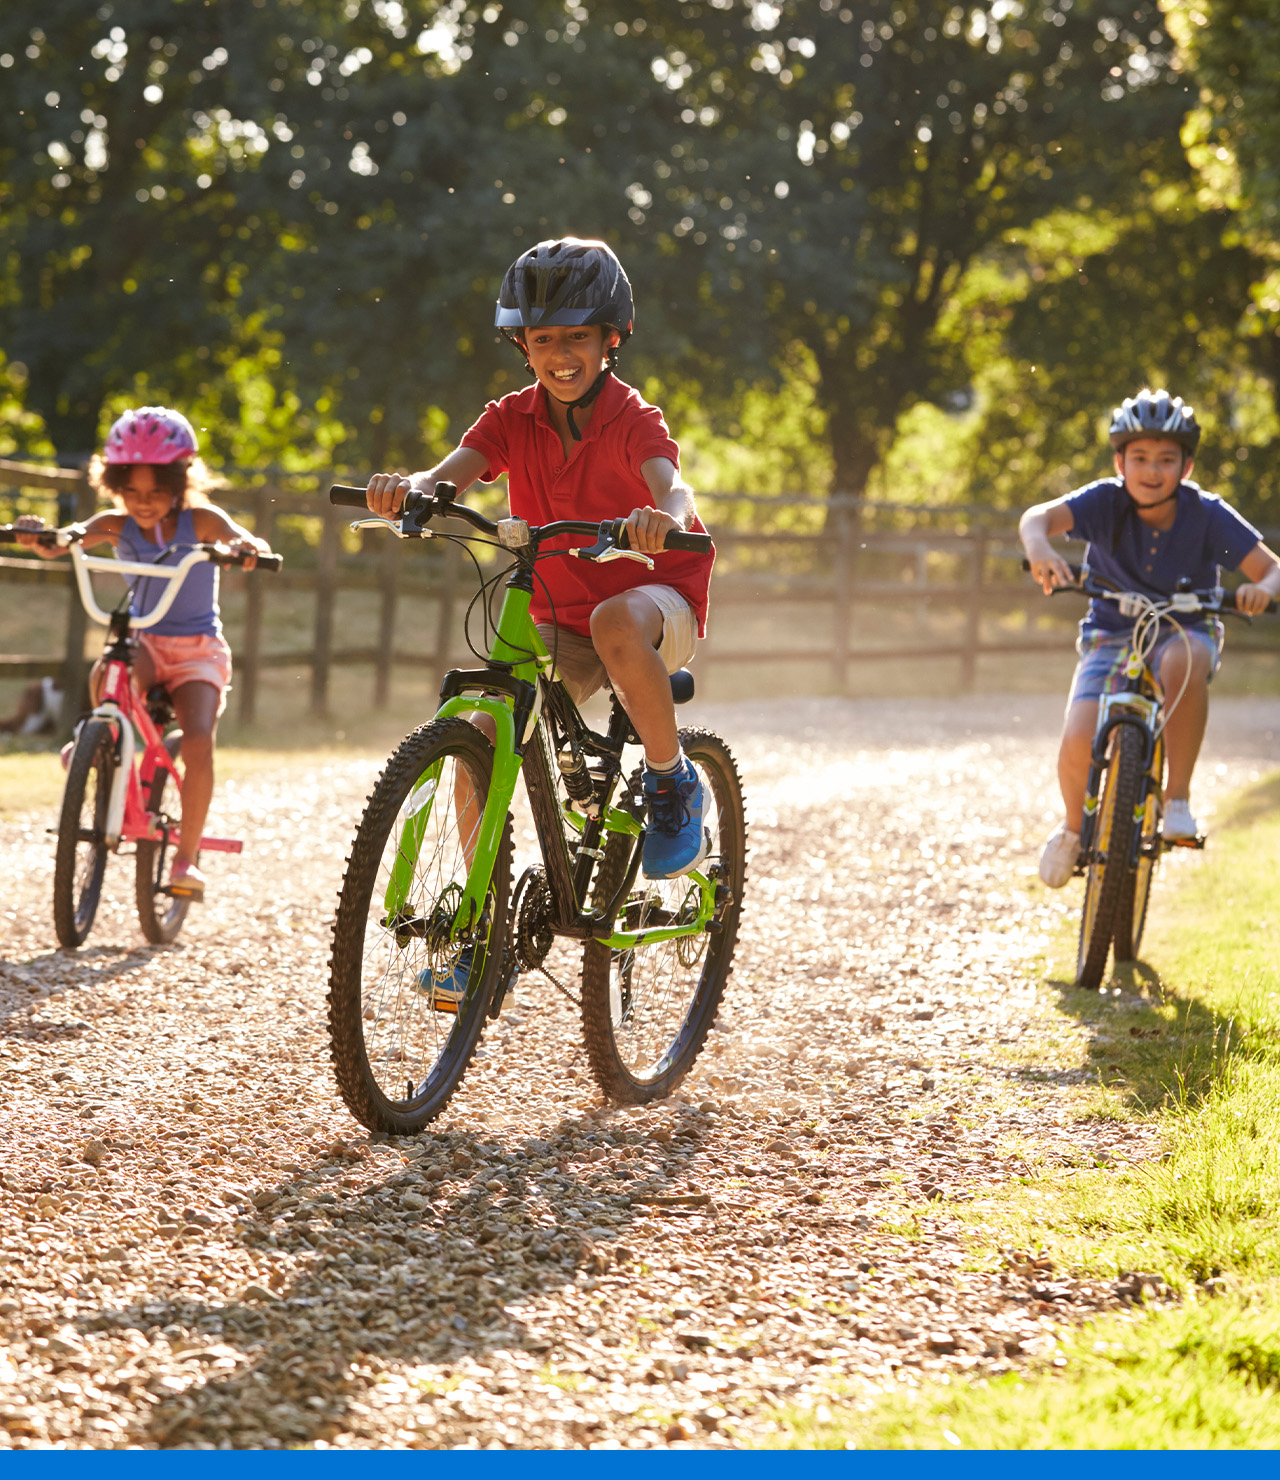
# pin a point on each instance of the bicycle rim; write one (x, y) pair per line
(160, 915)
(81, 858)
(398, 1053)
(646, 1011)
(1109, 868)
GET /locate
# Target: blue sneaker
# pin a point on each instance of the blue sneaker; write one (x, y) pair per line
(674, 839)
(446, 989)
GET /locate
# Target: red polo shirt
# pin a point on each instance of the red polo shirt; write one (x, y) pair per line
(600, 479)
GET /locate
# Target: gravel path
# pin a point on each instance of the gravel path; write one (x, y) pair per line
(199, 1247)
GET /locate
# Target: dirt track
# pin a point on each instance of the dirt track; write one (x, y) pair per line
(199, 1247)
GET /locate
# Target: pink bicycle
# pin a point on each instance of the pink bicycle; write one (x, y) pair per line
(122, 782)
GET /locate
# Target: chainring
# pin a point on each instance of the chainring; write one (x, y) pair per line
(532, 935)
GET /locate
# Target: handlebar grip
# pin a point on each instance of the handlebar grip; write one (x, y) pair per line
(680, 539)
(270, 562)
(343, 496)
(1229, 604)
(8, 536)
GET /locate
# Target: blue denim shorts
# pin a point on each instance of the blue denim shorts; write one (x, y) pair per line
(1101, 666)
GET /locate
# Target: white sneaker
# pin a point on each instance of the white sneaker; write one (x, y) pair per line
(1178, 821)
(1058, 860)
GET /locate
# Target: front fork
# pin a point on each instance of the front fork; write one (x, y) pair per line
(1139, 712)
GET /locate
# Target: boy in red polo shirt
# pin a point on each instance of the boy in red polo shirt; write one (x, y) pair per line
(580, 444)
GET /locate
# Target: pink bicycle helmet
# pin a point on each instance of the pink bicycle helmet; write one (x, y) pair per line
(151, 434)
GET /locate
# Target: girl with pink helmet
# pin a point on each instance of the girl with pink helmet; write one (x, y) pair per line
(150, 470)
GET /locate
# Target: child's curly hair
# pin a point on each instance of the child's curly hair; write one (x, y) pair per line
(188, 481)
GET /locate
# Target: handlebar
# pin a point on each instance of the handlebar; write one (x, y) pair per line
(1088, 583)
(72, 534)
(419, 509)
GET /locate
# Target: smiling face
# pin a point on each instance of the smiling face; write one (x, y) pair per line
(1152, 468)
(145, 500)
(566, 358)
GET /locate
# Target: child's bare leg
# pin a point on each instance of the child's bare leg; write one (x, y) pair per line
(1073, 758)
(466, 800)
(626, 630)
(1184, 732)
(196, 706)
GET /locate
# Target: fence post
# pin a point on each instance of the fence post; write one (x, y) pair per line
(250, 663)
(326, 588)
(973, 618)
(386, 624)
(842, 578)
(75, 667)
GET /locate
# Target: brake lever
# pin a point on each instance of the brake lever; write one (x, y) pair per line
(606, 548)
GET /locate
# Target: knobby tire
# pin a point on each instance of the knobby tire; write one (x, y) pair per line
(81, 858)
(677, 985)
(1108, 879)
(161, 915)
(1131, 913)
(381, 1018)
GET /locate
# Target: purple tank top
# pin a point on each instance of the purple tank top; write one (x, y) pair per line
(194, 612)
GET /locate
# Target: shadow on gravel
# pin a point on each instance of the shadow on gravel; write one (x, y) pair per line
(56, 974)
(412, 1270)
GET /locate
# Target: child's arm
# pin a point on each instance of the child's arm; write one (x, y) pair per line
(102, 529)
(1036, 528)
(1261, 571)
(386, 491)
(674, 506)
(215, 526)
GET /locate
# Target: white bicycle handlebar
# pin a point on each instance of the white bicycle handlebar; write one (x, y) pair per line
(86, 565)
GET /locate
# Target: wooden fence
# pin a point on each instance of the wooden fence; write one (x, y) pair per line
(848, 560)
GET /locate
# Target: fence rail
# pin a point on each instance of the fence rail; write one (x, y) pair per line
(845, 567)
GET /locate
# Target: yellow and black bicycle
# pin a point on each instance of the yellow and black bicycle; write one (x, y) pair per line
(1121, 840)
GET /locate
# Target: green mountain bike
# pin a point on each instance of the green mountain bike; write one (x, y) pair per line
(429, 932)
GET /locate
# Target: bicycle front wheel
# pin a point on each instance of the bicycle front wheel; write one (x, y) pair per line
(1131, 912)
(407, 995)
(646, 1011)
(161, 915)
(81, 858)
(1110, 869)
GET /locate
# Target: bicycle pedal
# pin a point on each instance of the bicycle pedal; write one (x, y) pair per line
(1198, 841)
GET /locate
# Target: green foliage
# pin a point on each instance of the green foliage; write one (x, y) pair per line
(848, 228)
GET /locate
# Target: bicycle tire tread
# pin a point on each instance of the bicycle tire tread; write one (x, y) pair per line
(94, 737)
(1124, 773)
(597, 1027)
(346, 1038)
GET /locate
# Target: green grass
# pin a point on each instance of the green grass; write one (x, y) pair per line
(1190, 1050)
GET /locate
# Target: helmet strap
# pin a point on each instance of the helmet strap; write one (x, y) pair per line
(572, 406)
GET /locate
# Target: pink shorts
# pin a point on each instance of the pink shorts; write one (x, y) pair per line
(179, 660)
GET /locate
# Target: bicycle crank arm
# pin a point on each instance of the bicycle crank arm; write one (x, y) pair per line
(221, 845)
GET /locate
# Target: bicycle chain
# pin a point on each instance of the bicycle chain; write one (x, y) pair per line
(560, 987)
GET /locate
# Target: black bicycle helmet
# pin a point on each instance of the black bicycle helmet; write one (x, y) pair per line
(567, 281)
(1155, 414)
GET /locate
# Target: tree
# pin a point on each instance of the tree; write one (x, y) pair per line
(833, 175)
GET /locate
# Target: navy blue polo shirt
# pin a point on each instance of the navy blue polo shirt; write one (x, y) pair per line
(1206, 535)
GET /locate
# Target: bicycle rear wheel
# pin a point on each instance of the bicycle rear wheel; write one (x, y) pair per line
(1109, 870)
(161, 915)
(406, 1001)
(646, 1011)
(81, 858)
(1131, 912)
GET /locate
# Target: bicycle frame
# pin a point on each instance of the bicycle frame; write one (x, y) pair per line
(513, 691)
(128, 818)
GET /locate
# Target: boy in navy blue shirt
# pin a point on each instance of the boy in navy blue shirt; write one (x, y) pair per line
(1146, 529)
